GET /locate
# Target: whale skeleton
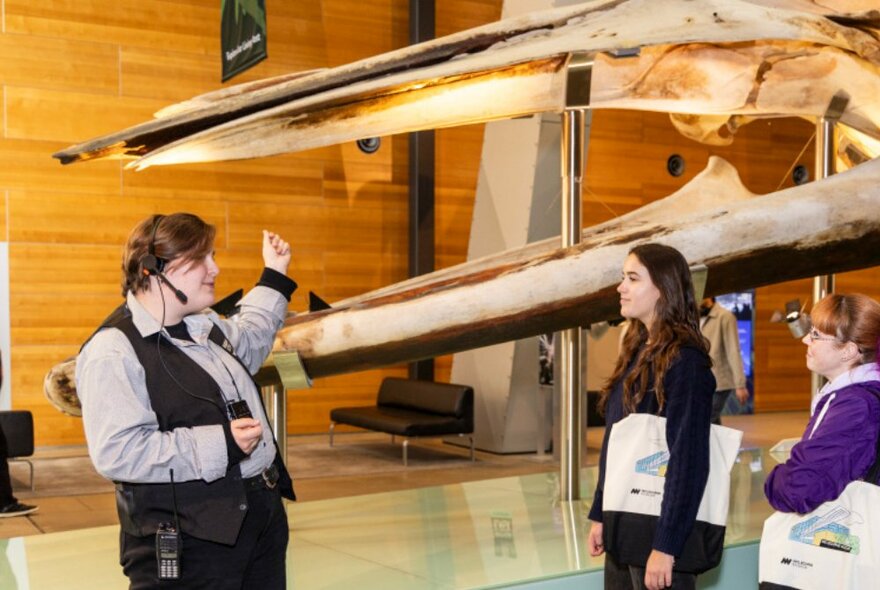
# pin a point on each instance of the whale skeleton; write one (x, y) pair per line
(704, 62)
(713, 65)
(745, 240)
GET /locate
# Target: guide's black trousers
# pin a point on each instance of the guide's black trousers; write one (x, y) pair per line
(257, 560)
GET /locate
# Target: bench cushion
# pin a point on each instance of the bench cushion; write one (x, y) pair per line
(400, 421)
(446, 399)
(414, 408)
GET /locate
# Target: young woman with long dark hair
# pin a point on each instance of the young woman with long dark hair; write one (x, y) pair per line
(663, 369)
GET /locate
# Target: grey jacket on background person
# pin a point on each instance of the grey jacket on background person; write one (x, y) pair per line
(719, 327)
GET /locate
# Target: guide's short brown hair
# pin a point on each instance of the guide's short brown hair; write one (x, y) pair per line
(179, 237)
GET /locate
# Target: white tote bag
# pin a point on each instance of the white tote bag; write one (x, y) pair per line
(837, 545)
(635, 470)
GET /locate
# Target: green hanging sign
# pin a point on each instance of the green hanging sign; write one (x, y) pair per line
(242, 35)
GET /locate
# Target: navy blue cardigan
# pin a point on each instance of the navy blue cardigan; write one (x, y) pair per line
(689, 387)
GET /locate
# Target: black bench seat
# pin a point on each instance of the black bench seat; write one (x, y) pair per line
(410, 408)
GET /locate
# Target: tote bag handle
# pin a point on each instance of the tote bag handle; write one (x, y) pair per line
(874, 471)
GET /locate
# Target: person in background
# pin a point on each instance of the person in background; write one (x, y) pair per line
(663, 368)
(173, 417)
(718, 325)
(9, 505)
(839, 443)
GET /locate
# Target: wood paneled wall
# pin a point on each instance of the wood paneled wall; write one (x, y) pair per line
(72, 70)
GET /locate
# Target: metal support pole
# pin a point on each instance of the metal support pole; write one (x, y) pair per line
(825, 155)
(571, 411)
(274, 400)
(574, 524)
(421, 180)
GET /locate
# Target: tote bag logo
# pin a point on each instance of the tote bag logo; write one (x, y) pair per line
(647, 493)
(829, 530)
(796, 563)
(654, 464)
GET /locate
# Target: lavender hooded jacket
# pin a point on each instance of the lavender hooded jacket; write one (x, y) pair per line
(838, 446)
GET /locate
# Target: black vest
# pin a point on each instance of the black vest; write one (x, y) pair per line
(211, 511)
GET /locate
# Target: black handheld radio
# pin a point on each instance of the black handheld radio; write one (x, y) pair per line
(238, 409)
(168, 544)
(168, 552)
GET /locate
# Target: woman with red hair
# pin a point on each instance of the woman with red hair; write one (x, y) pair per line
(840, 441)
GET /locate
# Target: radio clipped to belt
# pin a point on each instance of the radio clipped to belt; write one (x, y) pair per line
(168, 544)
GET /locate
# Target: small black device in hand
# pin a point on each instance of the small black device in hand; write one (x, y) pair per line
(238, 409)
(168, 552)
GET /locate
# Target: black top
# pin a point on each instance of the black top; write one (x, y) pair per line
(689, 387)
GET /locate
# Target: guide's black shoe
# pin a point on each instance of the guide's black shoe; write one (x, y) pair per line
(17, 509)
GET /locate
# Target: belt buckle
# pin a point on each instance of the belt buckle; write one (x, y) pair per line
(270, 477)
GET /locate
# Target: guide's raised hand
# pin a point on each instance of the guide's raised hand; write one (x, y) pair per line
(276, 252)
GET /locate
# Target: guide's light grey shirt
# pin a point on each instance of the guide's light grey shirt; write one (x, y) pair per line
(121, 429)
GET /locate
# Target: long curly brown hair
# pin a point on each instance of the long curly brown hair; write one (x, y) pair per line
(676, 324)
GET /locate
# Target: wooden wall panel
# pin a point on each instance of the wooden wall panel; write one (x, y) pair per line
(284, 179)
(177, 25)
(42, 62)
(297, 39)
(100, 218)
(4, 216)
(458, 161)
(63, 269)
(459, 15)
(351, 273)
(140, 67)
(357, 30)
(26, 164)
(784, 382)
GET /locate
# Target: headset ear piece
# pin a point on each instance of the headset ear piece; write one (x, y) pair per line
(152, 264)
(149, 264)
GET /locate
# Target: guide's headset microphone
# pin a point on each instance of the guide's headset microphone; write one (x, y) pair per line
(153, 265)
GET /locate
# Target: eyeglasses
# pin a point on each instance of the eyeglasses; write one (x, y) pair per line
(815, 335)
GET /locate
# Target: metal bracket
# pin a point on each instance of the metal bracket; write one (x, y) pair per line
(578, 79)
(699, 276)
(836, 107)
(283, 368)
(625, 52)
(291, 370)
